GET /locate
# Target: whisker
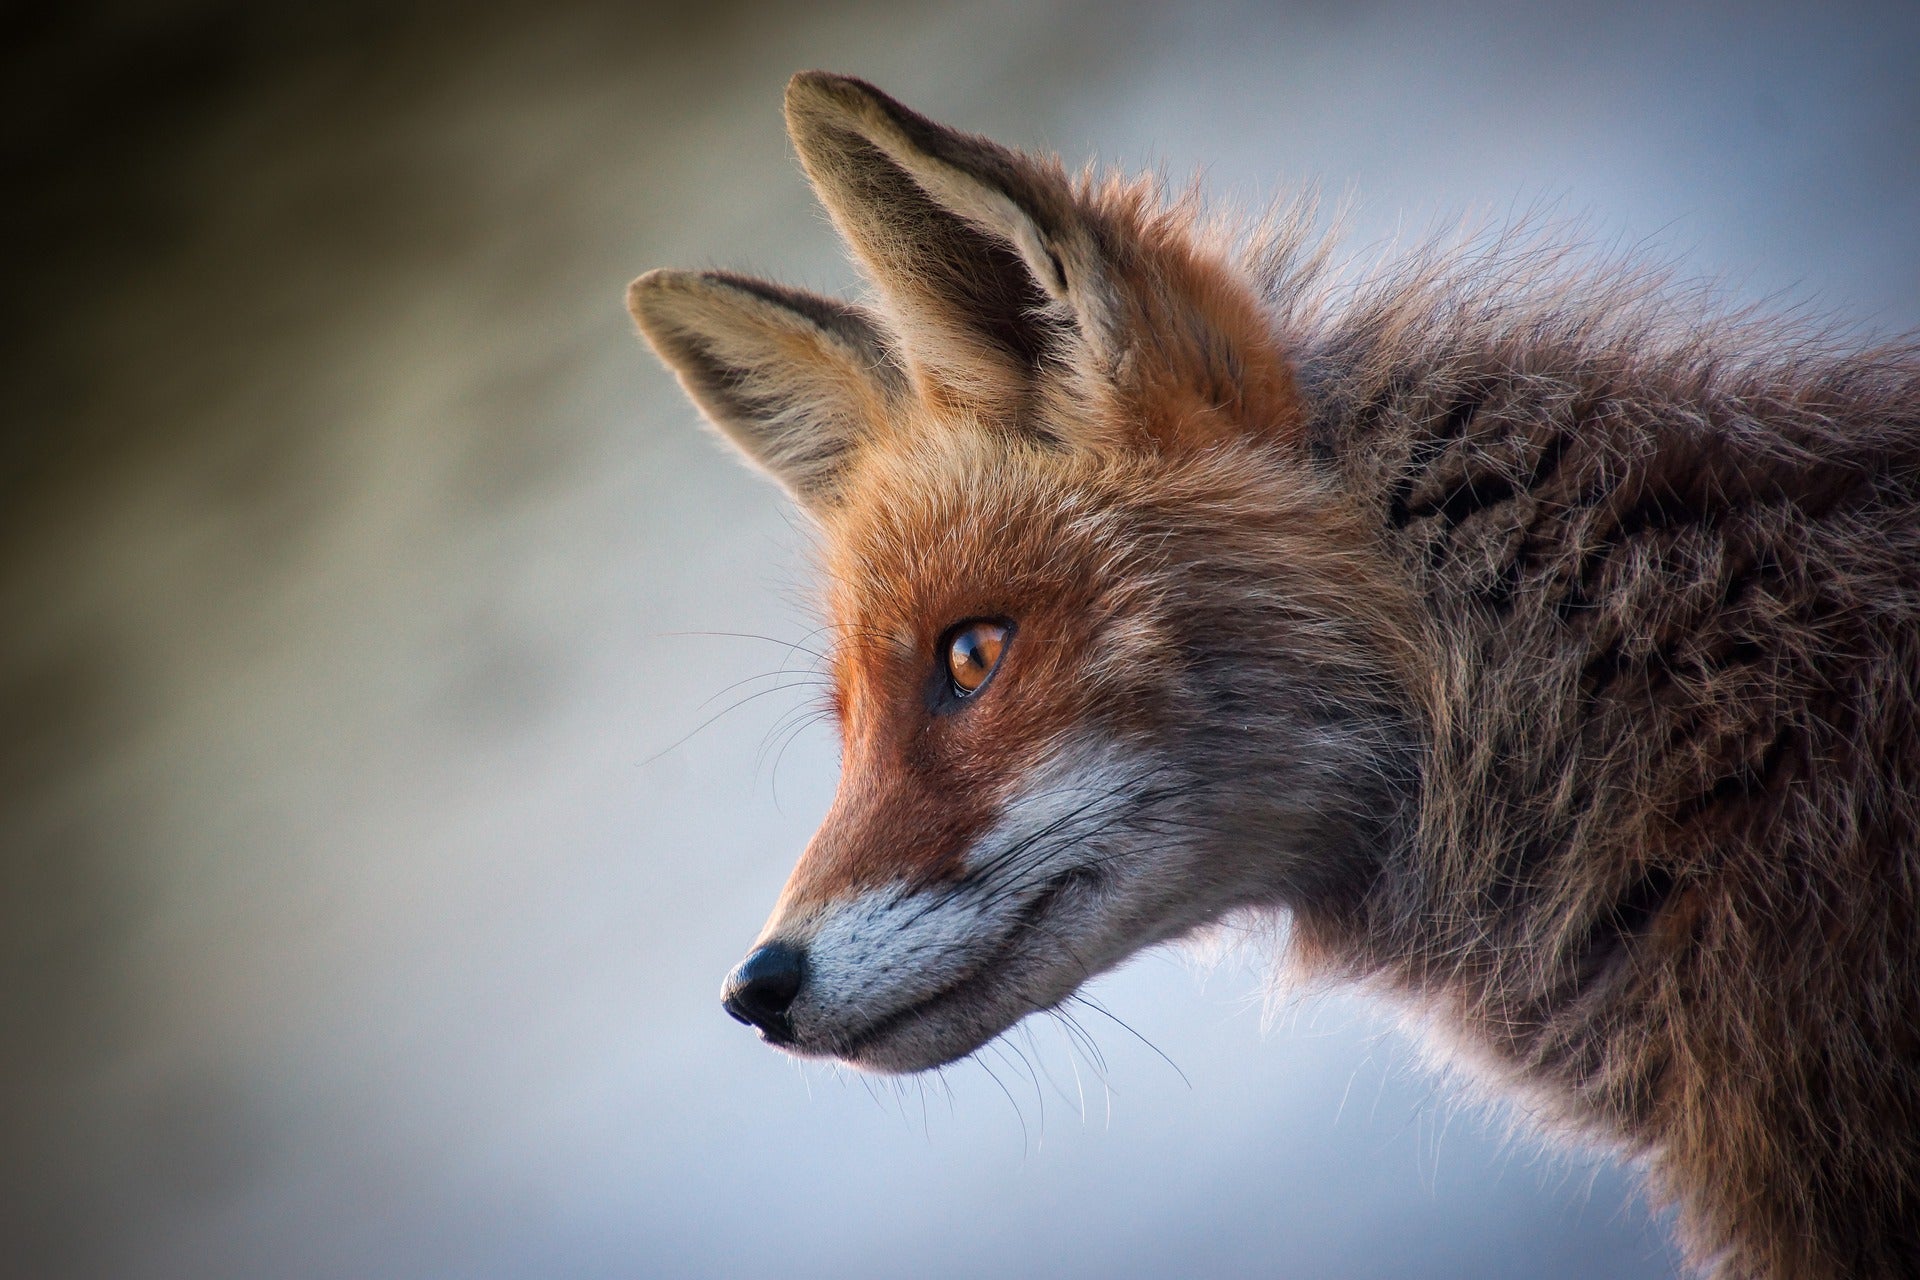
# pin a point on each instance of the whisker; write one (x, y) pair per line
(792, 645)
(1017, 1113)
(1073, 1064)
(718, 715)
(799, 674)
(1094, 1005)
(1006, 1048)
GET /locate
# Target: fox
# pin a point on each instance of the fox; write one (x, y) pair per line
(1541, 643)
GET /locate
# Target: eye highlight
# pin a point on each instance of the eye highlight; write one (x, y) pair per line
(973, 650)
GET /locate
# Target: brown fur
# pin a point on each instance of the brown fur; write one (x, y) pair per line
(1547, 647)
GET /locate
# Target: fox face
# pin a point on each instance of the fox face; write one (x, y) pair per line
(1109, 660)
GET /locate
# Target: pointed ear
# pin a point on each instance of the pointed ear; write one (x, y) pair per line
(972, 244)
(1003, 277)
(794, 380)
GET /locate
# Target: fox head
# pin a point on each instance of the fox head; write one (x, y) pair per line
(1112, 657)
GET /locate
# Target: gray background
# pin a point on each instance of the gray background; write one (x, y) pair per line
(363, 896)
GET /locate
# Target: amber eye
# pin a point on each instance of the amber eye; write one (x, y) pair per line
(973, 650)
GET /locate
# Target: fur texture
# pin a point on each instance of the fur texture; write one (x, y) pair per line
(1547, 647)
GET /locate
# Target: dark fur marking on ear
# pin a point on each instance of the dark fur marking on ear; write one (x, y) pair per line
(834, 317)
(981, 277)
(929, 257)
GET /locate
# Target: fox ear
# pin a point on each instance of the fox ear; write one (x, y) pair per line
(794, 380)
(981, 251)
(997, 270)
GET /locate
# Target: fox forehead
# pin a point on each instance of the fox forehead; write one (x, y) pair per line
(961, 510)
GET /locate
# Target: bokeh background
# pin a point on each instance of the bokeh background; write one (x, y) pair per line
(368, 862)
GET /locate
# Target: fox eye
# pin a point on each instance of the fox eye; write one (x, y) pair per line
(973, 651)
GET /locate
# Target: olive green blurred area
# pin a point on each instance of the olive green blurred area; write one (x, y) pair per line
(407, 713)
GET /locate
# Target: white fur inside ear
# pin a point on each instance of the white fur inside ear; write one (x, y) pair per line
(982, 204)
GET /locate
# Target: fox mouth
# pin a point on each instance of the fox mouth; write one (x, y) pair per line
(977, 1005)
(953, 994)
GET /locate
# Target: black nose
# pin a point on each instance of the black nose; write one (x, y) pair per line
(759, 991)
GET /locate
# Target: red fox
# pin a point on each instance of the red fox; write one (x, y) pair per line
(1546, 649)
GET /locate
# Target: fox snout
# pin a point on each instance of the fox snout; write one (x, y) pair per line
(908, 972)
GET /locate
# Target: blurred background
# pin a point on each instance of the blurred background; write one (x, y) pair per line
(388, 774)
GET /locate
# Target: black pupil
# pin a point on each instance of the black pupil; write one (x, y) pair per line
(970, 650)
